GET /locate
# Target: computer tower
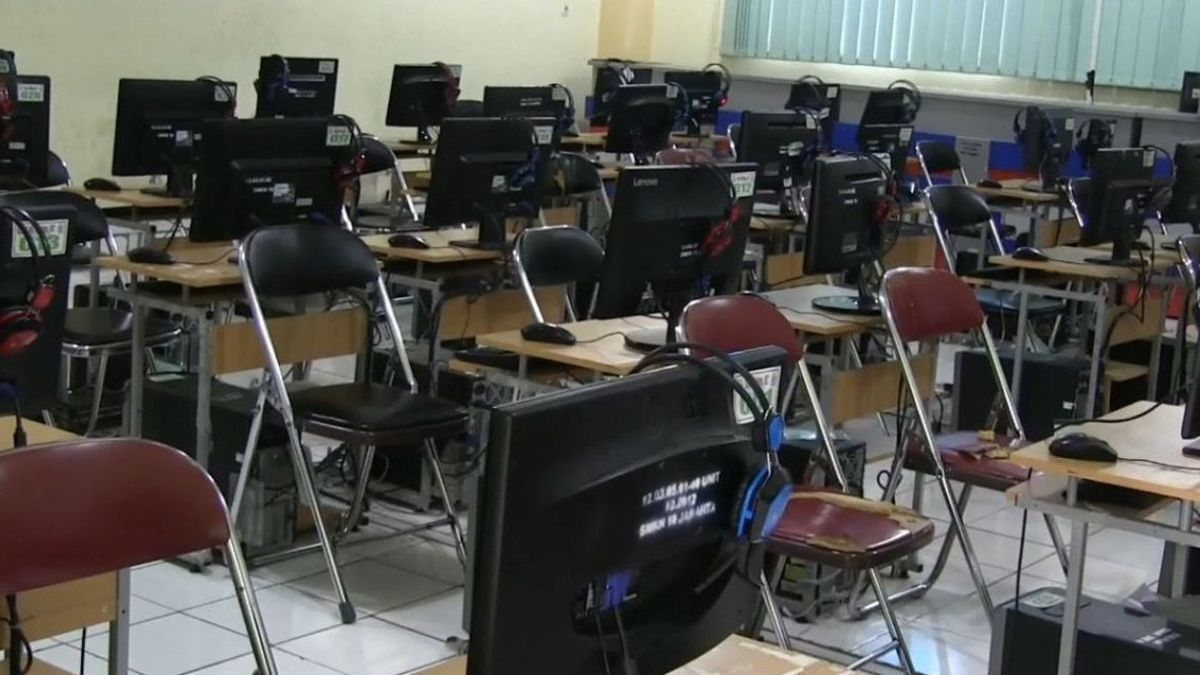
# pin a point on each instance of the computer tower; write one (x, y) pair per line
(1053, 389)
(1110, 640)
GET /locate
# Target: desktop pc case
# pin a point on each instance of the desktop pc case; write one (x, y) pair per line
(1110, 641)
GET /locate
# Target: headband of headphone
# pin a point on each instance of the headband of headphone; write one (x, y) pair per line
(8, 80)
(1091, 136)
(912, 98)
(726, 76)
(351, 167)
(568, 115)
(453, 84)
(622, 69)
(230, 92)
(1048, 127)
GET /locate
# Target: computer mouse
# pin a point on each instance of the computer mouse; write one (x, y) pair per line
(1083, 447)
(988, 183)
(147, 255)
(101, 185)
(1030, 253)
(406, 240)
(548, 333)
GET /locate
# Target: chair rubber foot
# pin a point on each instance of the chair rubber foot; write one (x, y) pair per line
(349, 616)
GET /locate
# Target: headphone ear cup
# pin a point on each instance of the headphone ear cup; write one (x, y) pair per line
(762, 504)
(43, 296)
(19, 328)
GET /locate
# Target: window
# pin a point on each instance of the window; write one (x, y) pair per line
(1141, 41)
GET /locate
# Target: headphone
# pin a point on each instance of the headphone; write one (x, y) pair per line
(453, 85)
(8, 91)
(764, 497)
(683, 103)
(1021, 130)
(1093, 135)
(1163, 189)
(622, 68)
(277, 80)
(912, 98)
(720, 237)
(568, 115)
(230, 93)
(348, 170)
(21, 324)
(726, 76)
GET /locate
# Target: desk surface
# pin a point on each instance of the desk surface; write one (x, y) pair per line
(1016, 188)
(130, 197)
(607, 354)
(734, 655)
(440, 250)
(1070, 261)
(198, 265)
(797, 305)
(35, 432)
(1153, 437)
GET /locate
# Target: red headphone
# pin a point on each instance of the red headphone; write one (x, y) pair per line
(453, 85)
(8, 93)
(20, 325)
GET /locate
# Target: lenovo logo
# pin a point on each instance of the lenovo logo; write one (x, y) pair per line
(645, 182)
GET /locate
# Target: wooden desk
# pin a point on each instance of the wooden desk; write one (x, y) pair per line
(1154, 437)
(595, 140)
(607, 356)
(409, 148)
(198, 265)
(1018, 189)
(440, 250)
(735, 655)
(1071, 261)
(131, 198)
(797, 305)
(62, 608)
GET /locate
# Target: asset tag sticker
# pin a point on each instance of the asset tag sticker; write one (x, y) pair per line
(16, 145)
(56, 236)
(327, 67)
(543, 134)
(499, 183)
(768, 379)
(809, 122)
(743, 183)
(283, 193)
(1196, 93)
(831, 91)
(1069, 124)
(906, 134)
(3, 67)
(183, 137)
(337, 136)
(31, 92)
(220, 95)
(1147, 158)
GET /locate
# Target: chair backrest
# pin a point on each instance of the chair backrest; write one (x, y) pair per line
(734, 323)
(937, 157)
(573, 174)
(289, 260)
(1189, 253)
(86, 507)
(378, 156)
(57, 172)
(552, 256)
(957, 207)
(925, 303)
(88, 222)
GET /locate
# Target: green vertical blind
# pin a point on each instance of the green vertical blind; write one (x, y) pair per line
(1143, 43)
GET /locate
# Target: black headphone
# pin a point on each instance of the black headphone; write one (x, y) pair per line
(726, 76)
(1020, 130)
(815, 150)
(764, 497)
(21, 324)
(1163, 189)
(277, 80)
(568, 116)
(349, 168)
(683, 103)
(912, 98)
(230, 92)
(1093, 135)
(720, 236)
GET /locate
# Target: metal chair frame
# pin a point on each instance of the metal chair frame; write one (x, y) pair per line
(962, 174)
(527, 286)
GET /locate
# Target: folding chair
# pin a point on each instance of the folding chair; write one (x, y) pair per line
(938, 158)
(878, 534)
(922, 305)
(560, 255)
(295, 260)
(94, 506)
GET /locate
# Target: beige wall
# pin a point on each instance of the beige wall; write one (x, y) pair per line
(627, 30)
(87, 45)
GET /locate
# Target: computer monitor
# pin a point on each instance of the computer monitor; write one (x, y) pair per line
(421, 96)
(1184, 206)
(295, 86)
(609, 78)
(843, 234)
(259, 172)
(706, 95)
(486, 170)
(783, 145)
(522, 102)
(822, 99)
(157, 125)
(1189, 92)
(1047, 138)
(610, 546)
(1119, 192)
(641, 117)
(678, 230)
(25, 135)
(887, 106)
(893, 140)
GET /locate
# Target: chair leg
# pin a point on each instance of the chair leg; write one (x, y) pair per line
(460, 543)
(889, 618)
(964, 543)
(248, 453)
(248, 602)
(360, 492)
(773, 613)
(97, 394)
(1060, 547)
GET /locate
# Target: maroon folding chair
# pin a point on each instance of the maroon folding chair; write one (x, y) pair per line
(89, 507)
(815, 518)
(922, 305)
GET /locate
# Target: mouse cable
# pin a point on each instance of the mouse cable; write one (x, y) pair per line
(1164, 465)
(1138, 416)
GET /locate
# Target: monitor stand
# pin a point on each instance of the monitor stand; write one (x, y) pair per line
(179, 183)
(492, 235)
(649, 339)
(856, 305)
(1123, 246)
(423, 136)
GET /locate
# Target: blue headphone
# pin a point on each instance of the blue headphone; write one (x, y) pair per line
(765, 496)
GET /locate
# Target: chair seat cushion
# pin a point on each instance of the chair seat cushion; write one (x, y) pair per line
(964, 454)
(847, 532)
(97, 326)
(376, 408)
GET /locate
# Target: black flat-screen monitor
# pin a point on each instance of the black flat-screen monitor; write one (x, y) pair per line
(422, 96)
(886, 106)
(842, 233)
(641, 118)
(1047, 140)
(782, 144)
(608, 80)
(678, 230)
(522, 102)
(295, 86)
(893, 140)
(157, 125)
(1189, 92)
(25, 136)
(487, 169)
(705, 97)
(1184, 206)
(1118, 196)
(820, 98)
(610, 546)
(259, 172)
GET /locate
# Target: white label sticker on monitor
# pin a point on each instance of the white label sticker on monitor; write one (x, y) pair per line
(304, 201)
(327, 67)
(831, 91)
(220, 95)
(809, 122)
(769, 380)
(56, 237)
(1148, 158)
(283, 193)
(3, 67)
(337, 136)
(543, 134)
(16, 145)
(183, 137)
(1069, 124)
(905, 134)
(1196, 93)
(499, 183)
(30, 92)
(743, 183)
